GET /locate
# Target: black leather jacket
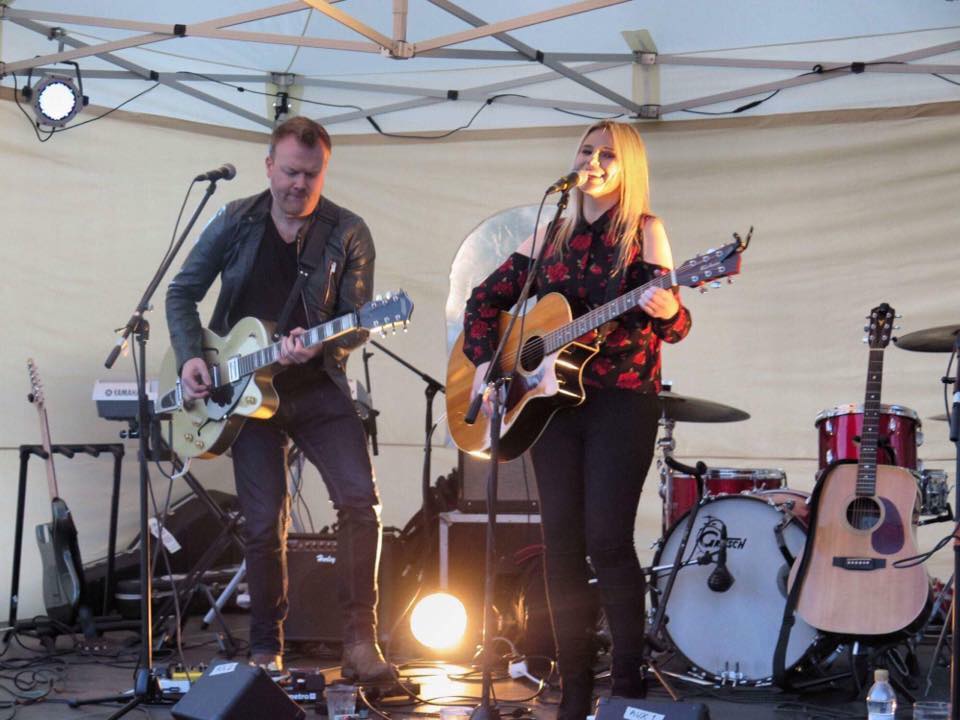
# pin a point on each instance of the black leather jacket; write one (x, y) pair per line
(228, 247)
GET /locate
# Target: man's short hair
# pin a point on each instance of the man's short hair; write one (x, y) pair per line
(308, 132)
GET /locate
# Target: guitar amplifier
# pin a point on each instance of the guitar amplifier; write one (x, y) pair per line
(314, 613)
(516, 485)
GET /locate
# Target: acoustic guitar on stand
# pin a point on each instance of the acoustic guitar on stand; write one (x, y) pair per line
(866, 523)
(242, 366)
(549, 374)
(57, 540)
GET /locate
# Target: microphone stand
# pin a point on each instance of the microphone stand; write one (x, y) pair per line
(496, 383)
(431, 390)
(955, 616)
(146, 687)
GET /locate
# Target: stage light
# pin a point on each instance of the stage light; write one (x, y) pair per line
(56, 100)
(439, 621)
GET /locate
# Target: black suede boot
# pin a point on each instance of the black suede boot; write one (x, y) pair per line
(576, 700)
(628, 676)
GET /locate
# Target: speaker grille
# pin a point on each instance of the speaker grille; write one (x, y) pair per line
(516, 485)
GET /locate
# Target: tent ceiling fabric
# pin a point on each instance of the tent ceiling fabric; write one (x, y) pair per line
(430, 65)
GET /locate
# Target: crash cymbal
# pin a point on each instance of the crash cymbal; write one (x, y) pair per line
(936, 339)
(690, 409)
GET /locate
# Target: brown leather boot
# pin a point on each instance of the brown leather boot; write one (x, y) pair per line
(364, 662)
(271, 662)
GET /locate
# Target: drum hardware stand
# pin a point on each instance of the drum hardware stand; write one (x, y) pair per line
(941, 638)
(955, 616)
(654, 640)
(146, 687)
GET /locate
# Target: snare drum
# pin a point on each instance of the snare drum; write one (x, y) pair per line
(680, 490)
(730, 636)
(899, 438)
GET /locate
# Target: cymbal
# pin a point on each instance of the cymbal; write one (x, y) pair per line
(936, 339)
(691, 409)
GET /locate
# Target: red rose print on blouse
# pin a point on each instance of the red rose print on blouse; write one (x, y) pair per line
(557, 272)
(629, 380)
(580, 243)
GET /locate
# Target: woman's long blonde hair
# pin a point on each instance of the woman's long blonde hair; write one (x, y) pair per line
(634, 200)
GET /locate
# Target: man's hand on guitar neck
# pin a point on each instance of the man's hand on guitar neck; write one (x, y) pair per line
(292, 351)
(195, 379)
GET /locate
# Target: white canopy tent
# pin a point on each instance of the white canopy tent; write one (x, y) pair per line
(429, 65)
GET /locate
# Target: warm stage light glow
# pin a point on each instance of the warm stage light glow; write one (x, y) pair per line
(439, 621)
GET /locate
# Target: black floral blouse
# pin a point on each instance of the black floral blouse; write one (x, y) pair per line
(629, 356)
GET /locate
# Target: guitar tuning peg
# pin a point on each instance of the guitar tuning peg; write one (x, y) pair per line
(703, 289)
(864, 340)
(896, 327)
(866, 328)
(715, 284)
(378, 298)
(898, 316)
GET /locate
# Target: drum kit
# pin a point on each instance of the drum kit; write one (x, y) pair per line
(730, 535)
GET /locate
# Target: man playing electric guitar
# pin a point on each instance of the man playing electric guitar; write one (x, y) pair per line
(258, 246)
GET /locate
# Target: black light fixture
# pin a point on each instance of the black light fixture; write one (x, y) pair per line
(56, 99)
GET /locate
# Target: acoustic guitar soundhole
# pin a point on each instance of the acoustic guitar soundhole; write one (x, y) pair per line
(863, 513)
(532, 354)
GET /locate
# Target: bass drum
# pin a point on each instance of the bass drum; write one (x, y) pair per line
(731, 636)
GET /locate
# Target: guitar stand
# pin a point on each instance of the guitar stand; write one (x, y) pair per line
(88, 624)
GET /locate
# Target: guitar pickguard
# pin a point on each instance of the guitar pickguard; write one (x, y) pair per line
(889, 537)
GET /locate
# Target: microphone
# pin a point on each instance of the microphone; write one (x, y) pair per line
(720, 579)
(224, 172)
(568, 182)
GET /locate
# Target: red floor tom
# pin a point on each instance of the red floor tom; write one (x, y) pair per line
(680, 490)
(839, 430)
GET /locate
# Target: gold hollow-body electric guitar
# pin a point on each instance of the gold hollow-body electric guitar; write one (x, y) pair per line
(57, 539)
(242, 367)
(549, 374)
(866, 522)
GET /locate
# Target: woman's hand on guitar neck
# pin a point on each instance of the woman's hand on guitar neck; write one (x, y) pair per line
(659, 303)
(195, 379)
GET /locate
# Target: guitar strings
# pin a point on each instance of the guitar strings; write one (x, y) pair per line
(529, 351)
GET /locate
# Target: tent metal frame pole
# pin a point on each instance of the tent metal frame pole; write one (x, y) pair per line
(534, 54)
(802, 80)
(145, 74)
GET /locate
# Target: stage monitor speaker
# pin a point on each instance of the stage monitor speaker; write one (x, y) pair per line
(314, 612)
(516, 485)
(620, 708)
(236, 691)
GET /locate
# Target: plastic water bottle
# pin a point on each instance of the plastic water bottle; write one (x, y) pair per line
(881, 700)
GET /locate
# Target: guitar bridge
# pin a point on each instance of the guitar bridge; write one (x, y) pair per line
(859, 563)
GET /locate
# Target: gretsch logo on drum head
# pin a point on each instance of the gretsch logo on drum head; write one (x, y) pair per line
(710, 534)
